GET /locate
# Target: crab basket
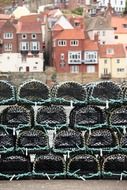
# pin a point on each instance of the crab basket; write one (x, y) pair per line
(32, 142)
(51, 116)
(7, 141)
(15, 167)
(70, 91)
(17, 117)
(83, 166)
(115, 166)
(101, 140)
(7, 93)
(32, 92)
(118, 117)
(105, 91)
(49, 166)
(68, 140)
(83, 117)
(123, 142)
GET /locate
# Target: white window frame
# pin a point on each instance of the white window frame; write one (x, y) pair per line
(8, 47)
(74, 57)
(62, 56)
(74, 69)
(24, 36)
(8, 35)
(91, 57)
(62, 42)
(34, 36)
(34, 46)
(90, 68)
(74, 43)
(24, 46)
(119, 70)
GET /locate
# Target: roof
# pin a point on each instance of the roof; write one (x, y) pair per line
(32, 27)
(20, 11)
(70, 34)
(90, 45)
(117, 51)
(98, 23)
(118, 22)
(4, 17)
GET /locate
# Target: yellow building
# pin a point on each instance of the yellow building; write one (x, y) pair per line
(112, 62)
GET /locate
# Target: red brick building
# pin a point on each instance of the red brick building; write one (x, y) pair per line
(73, 52)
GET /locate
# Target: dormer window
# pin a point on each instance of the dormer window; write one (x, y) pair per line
(62, 42)
(110, 51)
(33, 36)
(74, 43)
(24, 36)
(125, 26)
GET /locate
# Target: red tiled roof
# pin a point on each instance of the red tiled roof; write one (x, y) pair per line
(57, 27)
(118, 22)
(118, 51)
(70, 34)
(4, 17)
(90, 45)
(32, 27)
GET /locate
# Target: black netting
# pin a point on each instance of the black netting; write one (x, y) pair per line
(49, 163)
(106, 90)
(14, 115)
(7, 91)
(51, 115)
(53, 90)
(14, 164)
(116, 163)
(34, 91)
(68, 139)
(87, 115)
(123, 141)
(32, 139)
(71, 91)
(119, 116)
(6, 140)
(84, 164)
(101, 138)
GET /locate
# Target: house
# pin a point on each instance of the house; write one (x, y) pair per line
(101, 26)
(119, 24)
(118, 6)
(21, 47)
(73, 53)
(112, 62)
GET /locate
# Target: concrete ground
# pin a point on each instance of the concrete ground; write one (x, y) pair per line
(63, 185)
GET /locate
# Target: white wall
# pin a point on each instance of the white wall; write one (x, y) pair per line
(118, 5)
(12, 62)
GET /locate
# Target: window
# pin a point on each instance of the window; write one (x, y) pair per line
(20, 69)
(74, 43)
(24, 46)
(36, 63)
(120, 70)
(118, 61)
(125, 25)
(110, 51)
(34, 46)
(90, 68)
(34, 68)
(116, 37)
(74, 57)
(8, 47)
(33, 36)
(74, 69)
(24, 36)
(103, 33)
(8, 35)
(90, 57)
(105, 61)
(115, 28)
(62, 43)
(62, 56)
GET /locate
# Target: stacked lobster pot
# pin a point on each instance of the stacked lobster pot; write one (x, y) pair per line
(67, 131)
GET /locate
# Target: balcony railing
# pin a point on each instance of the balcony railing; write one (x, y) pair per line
(106, 76)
